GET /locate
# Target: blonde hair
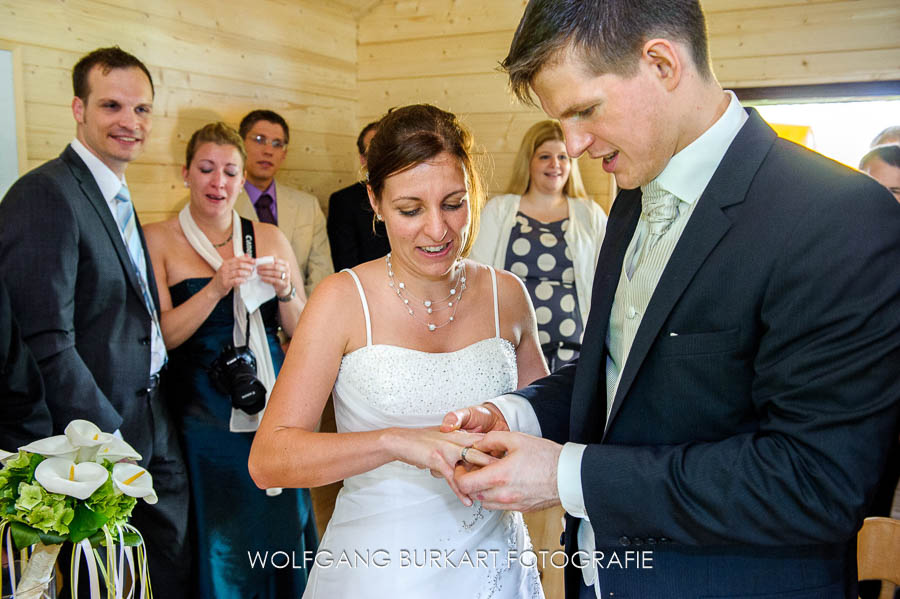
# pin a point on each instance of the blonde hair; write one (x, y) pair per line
(541, 132)
(219, 134)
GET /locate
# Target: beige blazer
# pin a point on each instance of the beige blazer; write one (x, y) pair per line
(301, 220)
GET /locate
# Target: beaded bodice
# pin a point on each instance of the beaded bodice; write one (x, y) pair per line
(379, 386)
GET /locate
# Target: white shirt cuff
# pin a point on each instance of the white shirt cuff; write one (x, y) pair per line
(568, 479)
(519, 414)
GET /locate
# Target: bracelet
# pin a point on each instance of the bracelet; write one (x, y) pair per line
(289, 296)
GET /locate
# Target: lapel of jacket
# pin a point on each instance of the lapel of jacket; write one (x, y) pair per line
(244, 206)
(708, 224)
(287, 210)
(588, 413)
(92, 192)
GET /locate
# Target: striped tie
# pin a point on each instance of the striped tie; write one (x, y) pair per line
(128, 225)
(659, 209)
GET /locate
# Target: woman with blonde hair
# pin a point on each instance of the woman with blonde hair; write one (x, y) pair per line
(226, 284)
(546, 231)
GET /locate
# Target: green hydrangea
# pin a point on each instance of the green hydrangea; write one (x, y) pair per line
(47, 512)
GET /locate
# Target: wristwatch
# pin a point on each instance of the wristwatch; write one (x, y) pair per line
(289, 296)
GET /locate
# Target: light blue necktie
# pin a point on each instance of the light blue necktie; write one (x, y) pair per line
(128, 225)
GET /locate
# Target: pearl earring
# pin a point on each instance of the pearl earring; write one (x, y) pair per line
(379, 218)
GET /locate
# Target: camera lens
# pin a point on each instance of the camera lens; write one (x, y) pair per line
(234, 373)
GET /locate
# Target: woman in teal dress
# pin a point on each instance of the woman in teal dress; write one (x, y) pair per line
(249, 543)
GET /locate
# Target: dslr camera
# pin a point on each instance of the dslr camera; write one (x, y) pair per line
(233, 372)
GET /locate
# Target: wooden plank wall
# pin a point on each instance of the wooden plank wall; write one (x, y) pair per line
(446, 51)
(210, 61)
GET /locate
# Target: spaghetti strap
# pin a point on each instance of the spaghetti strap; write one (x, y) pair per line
(496, 308)
(365, 305)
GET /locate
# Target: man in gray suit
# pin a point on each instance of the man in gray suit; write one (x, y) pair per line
(73, 257)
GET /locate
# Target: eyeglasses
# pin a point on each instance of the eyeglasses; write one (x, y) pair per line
(276, 144)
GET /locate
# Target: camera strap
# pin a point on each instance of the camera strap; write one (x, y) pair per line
(249, 239)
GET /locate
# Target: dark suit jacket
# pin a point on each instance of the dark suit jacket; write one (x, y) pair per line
(350, 229)
(24, 416)
(77, 298)
(761, 393)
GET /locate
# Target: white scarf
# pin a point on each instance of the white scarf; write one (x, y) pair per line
(241, 422)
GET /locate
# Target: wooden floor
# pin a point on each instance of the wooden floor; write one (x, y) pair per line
(544, 527)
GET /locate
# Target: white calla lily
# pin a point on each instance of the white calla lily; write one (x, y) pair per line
(61, 475)
(115, 449)
(56, 446)
(87, 437)
(134, 481)
(83, 433)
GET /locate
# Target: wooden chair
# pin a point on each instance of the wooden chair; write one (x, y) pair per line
(878, 553)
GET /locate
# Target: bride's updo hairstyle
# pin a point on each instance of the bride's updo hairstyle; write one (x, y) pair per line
(411, 135)
(217, 133)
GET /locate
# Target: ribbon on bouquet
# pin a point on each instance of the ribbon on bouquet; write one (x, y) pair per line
(36, 569)
(114, 571)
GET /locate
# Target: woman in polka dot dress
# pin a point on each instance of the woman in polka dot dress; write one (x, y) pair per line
(546, 231)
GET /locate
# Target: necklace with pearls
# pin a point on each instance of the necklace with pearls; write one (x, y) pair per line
(451, 301)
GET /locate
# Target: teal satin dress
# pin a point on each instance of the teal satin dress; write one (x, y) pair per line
(242, 538)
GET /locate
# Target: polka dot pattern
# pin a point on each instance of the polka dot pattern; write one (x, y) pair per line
(539, 255)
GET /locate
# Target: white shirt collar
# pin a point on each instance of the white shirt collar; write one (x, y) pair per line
(690, 170)
(108, 182)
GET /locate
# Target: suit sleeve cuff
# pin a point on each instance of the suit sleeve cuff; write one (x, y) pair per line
(568, 479)
(519, 414)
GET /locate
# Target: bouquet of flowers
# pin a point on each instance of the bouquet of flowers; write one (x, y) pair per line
(78, 487)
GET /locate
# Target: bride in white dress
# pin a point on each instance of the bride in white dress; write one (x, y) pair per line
(402, 341)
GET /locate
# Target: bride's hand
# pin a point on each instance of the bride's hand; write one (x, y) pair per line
(436, 451)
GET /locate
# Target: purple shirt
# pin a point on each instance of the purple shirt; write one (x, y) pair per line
(253, 192)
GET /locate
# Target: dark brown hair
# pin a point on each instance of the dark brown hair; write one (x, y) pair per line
(263, 115)
(607, 34)
(217, 133)
(411, 135)
(107, 59)
(888, 153)
(362, 135)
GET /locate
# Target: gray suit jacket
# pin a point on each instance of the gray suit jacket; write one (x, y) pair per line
(77, 298)
(302, 222)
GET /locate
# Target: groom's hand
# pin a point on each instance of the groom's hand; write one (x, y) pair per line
(475, 419)
(524, 480)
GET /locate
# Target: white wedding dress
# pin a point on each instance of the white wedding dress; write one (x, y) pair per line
(397, 531)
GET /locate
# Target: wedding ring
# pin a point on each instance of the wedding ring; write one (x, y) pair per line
(283, 275)
(463, 454)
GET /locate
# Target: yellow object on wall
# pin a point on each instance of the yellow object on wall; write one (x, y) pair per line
(800, 134)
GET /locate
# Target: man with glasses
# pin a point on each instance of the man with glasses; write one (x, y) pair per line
(295, 212)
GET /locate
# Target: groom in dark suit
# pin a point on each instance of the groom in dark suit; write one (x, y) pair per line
(73, 257)
(737, 389)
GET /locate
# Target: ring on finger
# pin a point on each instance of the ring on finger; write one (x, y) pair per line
(463, 453)
(283, 275)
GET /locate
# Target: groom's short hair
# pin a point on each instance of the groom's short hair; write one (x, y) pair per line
(607, 34)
